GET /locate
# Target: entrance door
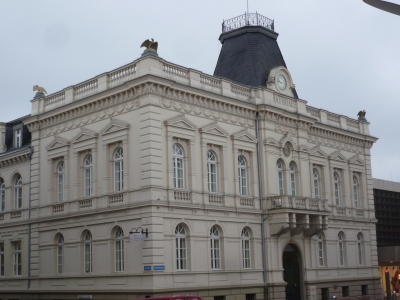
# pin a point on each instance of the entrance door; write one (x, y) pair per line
(291, 267)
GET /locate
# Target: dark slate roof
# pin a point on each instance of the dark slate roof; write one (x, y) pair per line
(9, 139)
(19, 119)
(248, 54)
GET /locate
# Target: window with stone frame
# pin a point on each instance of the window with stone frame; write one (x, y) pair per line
(316, 183)
(246, 259)
(61, 181)
(119, 250)
(215, 248)
(88, 252)
(181, 247)
(336, 188)
(88, 175)
(18, 192)
(212, 172)
(60, 254)
(178, 166)
(279, 168)
(118, 169)
(243, 177)
(356, 192)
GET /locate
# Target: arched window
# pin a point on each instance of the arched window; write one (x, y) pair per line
(2, 195)
(242, 175)
(212, 172)
(316, 183)
(336, 188)
(341, 249)
(60, 180)
(119, 250)
(88, 177)
(177, 162)
(18, 192)
(60, 254)
(215, 248)
(118, 170)
(88, 264)
(360, 249)
(320, 250)
(292, 170)
(280, 177)
(355, 192)
(246, 249)
(181, 257)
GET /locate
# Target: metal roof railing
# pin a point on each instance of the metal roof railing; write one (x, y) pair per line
(247, 19)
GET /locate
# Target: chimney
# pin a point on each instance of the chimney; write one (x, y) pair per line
(2, 137)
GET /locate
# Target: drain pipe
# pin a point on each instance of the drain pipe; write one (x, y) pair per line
(260, 192)
(29, 219)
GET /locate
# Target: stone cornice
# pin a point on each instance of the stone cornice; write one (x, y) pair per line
(14, 158)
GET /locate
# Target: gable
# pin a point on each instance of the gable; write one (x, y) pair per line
(181, 122)
(317, 151)
(245, 136)
(356, 160)
(337, 155)
(57, 143)
(113, 126)
(83, 135)
(214, 129)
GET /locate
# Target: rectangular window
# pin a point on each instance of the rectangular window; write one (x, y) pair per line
(17, 255)
(1, 259)
(119, 255)
(17, 138)
(60, 259)
(345, 291)
(246, 253)
(324, 294)
(321, 253)
(215, 255)
(250, 296)
(180, 253)
(364, 289)
(280, 182)
(88, 257)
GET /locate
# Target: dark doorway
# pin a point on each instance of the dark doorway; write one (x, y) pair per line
(291, 272)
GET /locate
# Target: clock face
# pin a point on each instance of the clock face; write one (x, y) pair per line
(281, 81)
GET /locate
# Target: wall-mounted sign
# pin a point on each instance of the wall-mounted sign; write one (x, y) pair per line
(313, 292)
(147, 268)
(136, 237)
(159, 268)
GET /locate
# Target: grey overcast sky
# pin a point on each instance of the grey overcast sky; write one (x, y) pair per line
(344, 55)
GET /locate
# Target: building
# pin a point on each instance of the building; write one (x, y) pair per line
(387, 207)
(244, 190)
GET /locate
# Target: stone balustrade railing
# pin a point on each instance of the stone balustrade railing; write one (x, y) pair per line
(194, 78)
(295, 202)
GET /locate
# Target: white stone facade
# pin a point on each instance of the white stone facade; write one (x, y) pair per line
(103, 163)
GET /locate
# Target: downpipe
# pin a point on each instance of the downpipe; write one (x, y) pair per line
(29, 219)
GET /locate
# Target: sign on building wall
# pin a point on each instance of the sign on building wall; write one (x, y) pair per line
(136, 237)
(313, 292)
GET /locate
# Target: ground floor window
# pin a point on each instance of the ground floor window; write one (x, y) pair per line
(345, 291)
(325, 294)
(364, 289)
(250, 296)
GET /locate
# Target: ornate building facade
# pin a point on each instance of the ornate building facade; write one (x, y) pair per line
(245, 191)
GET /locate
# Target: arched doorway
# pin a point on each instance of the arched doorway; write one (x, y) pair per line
(292, 272)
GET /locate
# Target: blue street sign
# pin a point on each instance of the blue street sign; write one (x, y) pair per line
(147, 268)
(159, 268)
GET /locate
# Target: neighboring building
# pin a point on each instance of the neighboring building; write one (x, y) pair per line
(211, 166)
(387, 207)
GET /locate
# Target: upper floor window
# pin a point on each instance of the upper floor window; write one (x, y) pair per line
(316, 183)
(88, 176)
(177, 162)
(180, 241)
(280, 177)
(341, 249)
(336, 188)
(17, 138)
(215, 248)
(320, 250)
(360, 249)
(88, 253)
(2, 195)
(355, 192)
(242, 175)
(119, 250)
(1, 259)
(246, 249)
(60, 254)
(292, 170)
(18, 192)
(118, 170)
(17, 256)
(60, 180)
(212, 171)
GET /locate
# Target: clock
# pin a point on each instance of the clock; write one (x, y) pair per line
(281, 82)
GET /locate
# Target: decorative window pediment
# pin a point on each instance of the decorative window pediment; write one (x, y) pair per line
(337, 155)
(245, 136)
(114, 126)
(181, 122)
(356, 159)
(58, 143)
(83, 135)
(271, 142)
(317, 151)
(214, 129)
